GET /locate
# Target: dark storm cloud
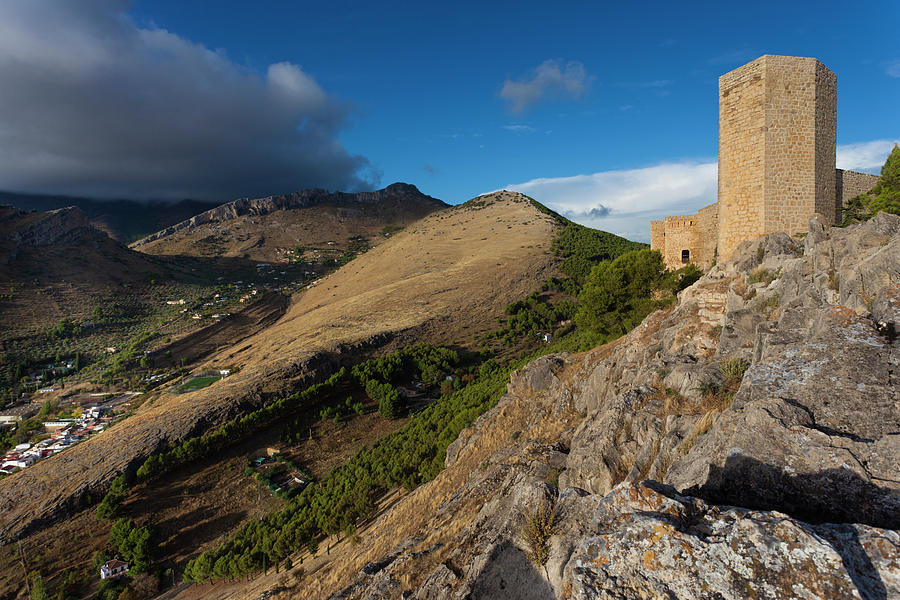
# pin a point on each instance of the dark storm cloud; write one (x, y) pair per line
(91, 104)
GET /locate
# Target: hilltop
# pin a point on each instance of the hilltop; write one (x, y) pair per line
(64, 246)
(287, 227)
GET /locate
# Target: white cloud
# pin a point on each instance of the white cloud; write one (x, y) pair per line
(864, 156)
(548, 79)
(625, 201)
(91, 104)
(515, 128)
(893, 69)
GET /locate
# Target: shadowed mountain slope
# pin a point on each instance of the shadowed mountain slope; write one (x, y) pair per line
(122, 220)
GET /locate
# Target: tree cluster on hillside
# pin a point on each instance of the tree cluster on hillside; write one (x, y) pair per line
(581, 248)
(135, 544)
(534, 314)
(618, 294)
(112, 501)
(422, 361)
(884, 197)
(64, 329)
(611, 283)
(407, 458)
(379, 376)
(200, 447)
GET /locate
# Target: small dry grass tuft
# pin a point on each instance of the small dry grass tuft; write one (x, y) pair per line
(700, 428)
(665, 461)
(674, 405)
(654, 452)
(538, 527)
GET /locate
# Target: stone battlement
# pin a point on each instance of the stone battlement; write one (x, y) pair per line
(777, 139)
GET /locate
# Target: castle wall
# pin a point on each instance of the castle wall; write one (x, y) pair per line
(826, 144)
(851, 184)
(800, 143)
(694, 233)
(742, 124)
(681, 235)
(777, 119)
(777, 142)
(707, 235)
(658, 236)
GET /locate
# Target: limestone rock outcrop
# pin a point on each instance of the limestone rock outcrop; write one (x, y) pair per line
(42, 229)
(648, 541)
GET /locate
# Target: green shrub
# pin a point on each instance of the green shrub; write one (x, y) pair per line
(113, 499)
(617, 295)
(581, 248)
(884, 197)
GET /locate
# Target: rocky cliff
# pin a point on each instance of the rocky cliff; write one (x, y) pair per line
(742, 444)
(29, 230)
(397, 193)
(51, 227)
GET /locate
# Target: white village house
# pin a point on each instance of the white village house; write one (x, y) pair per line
(113, 568)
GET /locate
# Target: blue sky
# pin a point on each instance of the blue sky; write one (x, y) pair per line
(606, 111)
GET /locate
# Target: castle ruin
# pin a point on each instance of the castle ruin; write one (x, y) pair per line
(777, 139)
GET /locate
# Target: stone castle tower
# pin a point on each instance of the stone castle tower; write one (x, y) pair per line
(777, 139)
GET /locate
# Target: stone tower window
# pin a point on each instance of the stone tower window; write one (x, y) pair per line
(685, 256)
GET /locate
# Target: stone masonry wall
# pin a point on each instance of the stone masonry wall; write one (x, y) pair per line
(694, 233)
(742, 126)
(681, 234)
(707, 235)
(658, 236)
(851, 184)
(777, 119)
(799, 157)
(826, 143)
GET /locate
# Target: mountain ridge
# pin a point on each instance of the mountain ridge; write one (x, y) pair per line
(300, 199)
(123, 220)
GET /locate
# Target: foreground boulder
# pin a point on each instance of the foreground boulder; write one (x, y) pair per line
(649, 542)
